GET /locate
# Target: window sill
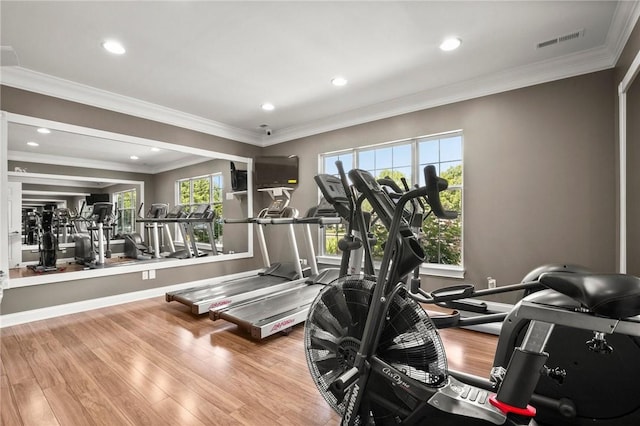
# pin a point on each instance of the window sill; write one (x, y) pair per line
(445, 271)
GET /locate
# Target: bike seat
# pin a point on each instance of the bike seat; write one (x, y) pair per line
(610, 295)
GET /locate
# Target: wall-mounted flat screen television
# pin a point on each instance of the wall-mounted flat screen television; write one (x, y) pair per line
(276, 171)
(97, 198)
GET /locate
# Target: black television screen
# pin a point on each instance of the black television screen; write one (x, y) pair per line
(275, 171)
(97, 198)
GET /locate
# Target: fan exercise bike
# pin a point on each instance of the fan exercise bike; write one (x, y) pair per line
(377, 358)
(582, 359)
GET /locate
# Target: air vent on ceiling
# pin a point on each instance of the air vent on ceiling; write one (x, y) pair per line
(561, 39)
(547, 43)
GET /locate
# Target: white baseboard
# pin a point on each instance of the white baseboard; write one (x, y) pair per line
(103, 302)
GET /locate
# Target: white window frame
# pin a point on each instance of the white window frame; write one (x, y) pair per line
(212, 202)
(114, 197)
(441, 270)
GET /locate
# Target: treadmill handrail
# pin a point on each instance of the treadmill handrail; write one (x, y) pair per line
(321, 220)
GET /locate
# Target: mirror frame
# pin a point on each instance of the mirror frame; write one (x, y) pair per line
(623, 88)
(7, 117)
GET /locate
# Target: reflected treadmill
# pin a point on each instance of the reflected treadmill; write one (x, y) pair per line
(274, 278)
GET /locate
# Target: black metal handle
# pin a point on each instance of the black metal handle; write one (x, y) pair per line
(434, 185)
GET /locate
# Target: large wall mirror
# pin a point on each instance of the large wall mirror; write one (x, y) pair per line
(59, 177)
(629, 107)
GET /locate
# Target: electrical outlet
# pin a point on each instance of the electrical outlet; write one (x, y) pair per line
(145, 275)
(491, 283)
(152, 274)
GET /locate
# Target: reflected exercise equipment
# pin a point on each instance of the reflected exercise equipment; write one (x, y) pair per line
(90, 249)
(47, 245)
(135, 247)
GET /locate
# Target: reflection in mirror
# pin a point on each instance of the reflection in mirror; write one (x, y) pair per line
(81, 201)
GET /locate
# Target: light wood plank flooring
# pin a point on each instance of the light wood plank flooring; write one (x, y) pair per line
(151, 362)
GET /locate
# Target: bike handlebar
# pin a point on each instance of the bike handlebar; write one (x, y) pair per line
(434, 185)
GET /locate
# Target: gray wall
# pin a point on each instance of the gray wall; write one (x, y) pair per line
(538, 174)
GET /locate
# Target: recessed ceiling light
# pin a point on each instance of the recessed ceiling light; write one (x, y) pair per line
(32, 143)
(268, 107)
(450, 44)
(133, 157)
(44, 131)
(155, 149)
(114, 47)
(339, 81)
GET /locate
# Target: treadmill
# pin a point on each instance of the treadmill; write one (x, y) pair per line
(279, 312)
(274, 278)
(200, 214)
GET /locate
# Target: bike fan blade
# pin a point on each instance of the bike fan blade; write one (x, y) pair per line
(334, 300)
(323, 340)
(322, 318)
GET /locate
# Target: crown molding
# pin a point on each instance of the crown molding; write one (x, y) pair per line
(33, 81)
(624, 20)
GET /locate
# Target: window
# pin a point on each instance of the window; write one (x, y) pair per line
(125, 210)
(444, 237)
(203, 190)
(441, 239)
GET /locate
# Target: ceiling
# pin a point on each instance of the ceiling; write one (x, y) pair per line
(209, 66)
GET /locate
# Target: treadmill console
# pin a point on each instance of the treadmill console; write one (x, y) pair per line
(200, 211)
(335, 194)
(157, 211)
(176, 212)
(277, 206)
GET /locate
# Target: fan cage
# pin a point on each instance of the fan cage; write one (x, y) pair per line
(335, 324)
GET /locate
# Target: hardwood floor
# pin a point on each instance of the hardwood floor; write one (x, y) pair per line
(151, 362)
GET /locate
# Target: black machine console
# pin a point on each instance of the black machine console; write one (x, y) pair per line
(335, 194)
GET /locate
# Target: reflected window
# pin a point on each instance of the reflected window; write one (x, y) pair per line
(125, 210)
(203, 190)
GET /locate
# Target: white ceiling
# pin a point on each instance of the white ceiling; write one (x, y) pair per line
(209, 66)
(79, 150)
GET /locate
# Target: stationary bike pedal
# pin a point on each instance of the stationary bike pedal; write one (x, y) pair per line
(599, 344)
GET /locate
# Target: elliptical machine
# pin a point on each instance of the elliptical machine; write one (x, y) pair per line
(31, 225)
(90, 249)
(47, 245)
(134, 246)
